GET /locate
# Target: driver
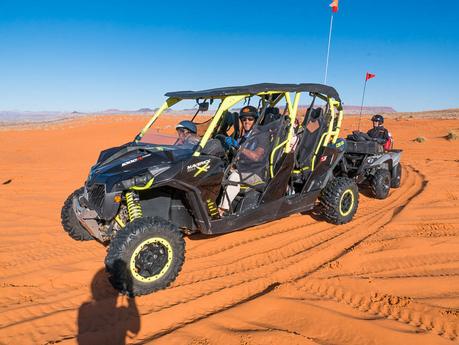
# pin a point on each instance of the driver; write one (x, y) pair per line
(379, 132)
(186, 132)
(248, 115)
(250, 156)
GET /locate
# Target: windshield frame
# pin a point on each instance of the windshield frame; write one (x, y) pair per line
(228, 101)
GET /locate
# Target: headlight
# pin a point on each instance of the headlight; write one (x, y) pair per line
(141, 180)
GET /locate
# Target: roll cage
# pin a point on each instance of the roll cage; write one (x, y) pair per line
(270, 95)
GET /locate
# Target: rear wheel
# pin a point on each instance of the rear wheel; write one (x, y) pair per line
(145, 256)
(339, 200)
(397, 177)
(380, 183)
(70, 222)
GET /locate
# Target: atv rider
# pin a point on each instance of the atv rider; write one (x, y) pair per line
(380, 133)
(248, 156)
(186, 132)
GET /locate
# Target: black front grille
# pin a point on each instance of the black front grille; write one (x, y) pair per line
(96, 195)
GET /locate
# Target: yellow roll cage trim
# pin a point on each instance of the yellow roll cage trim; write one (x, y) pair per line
(226, 103)
(333, 129)
(330, 136)
(167, 104)
(271, 157)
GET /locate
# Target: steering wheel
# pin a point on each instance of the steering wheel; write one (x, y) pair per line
(222, 138)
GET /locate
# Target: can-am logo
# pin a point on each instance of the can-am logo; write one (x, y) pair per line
(133, 160)
(194, 166)
(199, 166)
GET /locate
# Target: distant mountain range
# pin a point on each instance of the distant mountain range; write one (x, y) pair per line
(45, 116)
(10, 116)
(355, 109)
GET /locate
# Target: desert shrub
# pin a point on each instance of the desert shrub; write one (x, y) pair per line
(452, 135)
(420, 139)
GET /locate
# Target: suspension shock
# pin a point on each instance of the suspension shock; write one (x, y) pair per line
(133, 206)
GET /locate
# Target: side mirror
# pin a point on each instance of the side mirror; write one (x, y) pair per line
(203, 106)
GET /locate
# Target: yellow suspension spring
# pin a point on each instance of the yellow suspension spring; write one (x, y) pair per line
(133, 206)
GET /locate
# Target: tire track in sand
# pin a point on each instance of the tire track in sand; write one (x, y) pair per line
(222, 287)
(258, 234)
(301, 234)
(403, 309)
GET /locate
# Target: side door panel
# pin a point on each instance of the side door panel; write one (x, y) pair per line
(205, 173)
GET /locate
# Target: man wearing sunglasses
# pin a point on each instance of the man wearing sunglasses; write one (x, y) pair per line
(248, 116)
(248, 160)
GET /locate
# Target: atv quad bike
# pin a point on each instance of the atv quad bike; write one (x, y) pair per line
(366, 161)
(142, 197)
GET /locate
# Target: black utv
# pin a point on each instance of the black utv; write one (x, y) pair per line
(141, 198)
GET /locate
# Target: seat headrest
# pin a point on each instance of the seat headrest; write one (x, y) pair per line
(272, 110)
(316, 113)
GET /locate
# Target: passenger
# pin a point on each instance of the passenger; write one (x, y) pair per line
(379, 132)
(186, 131)
(295, 138)
(250, 157)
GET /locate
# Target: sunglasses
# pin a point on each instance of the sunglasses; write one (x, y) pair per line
(250, 119)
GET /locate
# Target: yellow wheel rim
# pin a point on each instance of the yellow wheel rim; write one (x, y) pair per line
(347, 193)
(134, 271)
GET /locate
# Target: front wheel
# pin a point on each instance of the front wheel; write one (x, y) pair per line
(146, 256)
(397, 176)
(380, 183)
(339, 200)
(69, 220)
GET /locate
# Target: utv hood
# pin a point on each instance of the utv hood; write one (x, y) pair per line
(120, 163)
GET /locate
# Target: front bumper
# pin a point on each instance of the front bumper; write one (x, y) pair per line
(102, 202)
(87, 218)
(94, 207)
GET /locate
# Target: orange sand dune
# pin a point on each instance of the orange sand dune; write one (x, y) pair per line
(391, 276)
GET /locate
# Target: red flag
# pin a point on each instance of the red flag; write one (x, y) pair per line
(369, 76)
(334, 6)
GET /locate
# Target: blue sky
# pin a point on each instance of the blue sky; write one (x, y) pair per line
(93, 55)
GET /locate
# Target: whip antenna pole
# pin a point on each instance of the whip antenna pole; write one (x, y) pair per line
(328, 49)
(368, 76)
(363, 98)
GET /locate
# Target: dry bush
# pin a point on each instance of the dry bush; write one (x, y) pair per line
(452, 135)
(420, 139)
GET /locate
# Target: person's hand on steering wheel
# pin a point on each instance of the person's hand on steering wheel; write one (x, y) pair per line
(231, 142)
(231, 151)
